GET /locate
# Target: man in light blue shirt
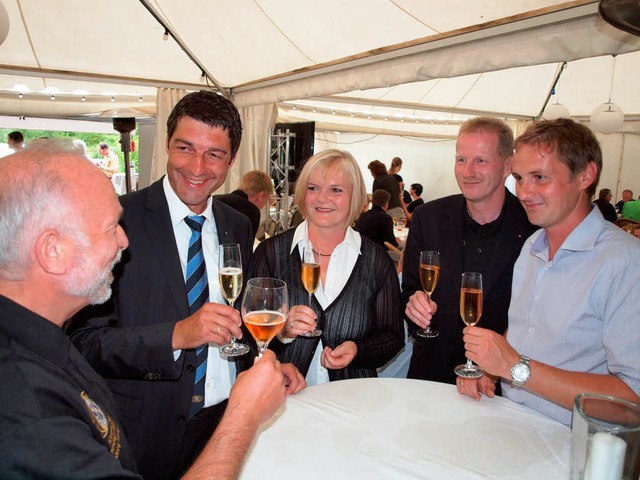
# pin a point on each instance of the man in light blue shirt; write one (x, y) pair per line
(574, 325)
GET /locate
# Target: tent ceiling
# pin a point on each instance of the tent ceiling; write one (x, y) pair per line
(114, 48)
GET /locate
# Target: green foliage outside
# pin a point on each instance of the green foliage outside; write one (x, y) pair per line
(91, 139)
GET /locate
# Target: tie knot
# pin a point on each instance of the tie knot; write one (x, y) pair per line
(195, 222)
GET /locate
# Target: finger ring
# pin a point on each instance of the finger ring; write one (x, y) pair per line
(461, 383)
(291, 323)
(218, 330)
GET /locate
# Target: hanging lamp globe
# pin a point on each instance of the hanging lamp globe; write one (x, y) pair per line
(607, 118)
(555, 111)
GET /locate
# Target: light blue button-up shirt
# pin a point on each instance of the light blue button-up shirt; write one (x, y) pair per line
(579, 311)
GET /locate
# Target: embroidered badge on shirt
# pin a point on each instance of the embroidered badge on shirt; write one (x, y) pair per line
(105, 425)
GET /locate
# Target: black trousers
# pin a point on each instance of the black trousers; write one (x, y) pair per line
(197, 434)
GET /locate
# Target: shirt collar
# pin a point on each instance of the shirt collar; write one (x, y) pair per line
(582, 238)
(351, 238)
(179, 210)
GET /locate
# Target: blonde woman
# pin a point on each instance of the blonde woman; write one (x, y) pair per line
(356, 304)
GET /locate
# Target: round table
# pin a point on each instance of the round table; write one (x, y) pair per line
(383, 428)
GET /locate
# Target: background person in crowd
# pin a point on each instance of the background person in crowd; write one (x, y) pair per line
(251, 196)
(144, 341)
(481, 230)
(396, 166)
(406, 198)
(54, 261)
(81, 147)
(374, 223)
(564, 341)
(110, 163)
(15, 140)
(415, 190)
(356, 303)
(381, 179)
(627, 195)
(631, 209)
(604, 204)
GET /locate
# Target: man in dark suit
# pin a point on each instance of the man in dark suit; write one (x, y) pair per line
(375, 224)
(481, 230)
(144, 340)
(251, 196)
(604, 204)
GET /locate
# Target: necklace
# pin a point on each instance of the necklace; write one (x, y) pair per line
(322, 254)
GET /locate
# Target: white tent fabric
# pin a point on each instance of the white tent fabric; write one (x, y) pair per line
(167, 99)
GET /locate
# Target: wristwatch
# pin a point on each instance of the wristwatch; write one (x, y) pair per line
(520, 373)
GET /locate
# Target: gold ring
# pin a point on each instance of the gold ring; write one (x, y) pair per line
(218, 330)
(461, 383)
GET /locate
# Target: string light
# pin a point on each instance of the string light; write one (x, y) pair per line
(19, 95)
(83, 98)
(113, 99)
(165, 35)
(53, 97)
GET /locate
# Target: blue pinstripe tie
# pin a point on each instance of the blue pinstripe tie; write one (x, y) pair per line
(198, 293)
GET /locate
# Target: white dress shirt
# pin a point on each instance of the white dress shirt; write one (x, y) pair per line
(220, 371)
(341, 263)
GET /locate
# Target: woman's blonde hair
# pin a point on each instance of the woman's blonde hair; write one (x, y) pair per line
(330, 159)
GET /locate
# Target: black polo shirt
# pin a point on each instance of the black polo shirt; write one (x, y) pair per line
(480, 242)
(57, 417)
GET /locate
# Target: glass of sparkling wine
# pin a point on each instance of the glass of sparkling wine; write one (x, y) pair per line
(265, 306)
(310, 273)
(470, 311)
(395, 221)
(230, 280)
(429, 275)
(402, 222)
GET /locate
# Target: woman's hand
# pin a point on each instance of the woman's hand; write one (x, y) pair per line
(301, 319)
(339, 357)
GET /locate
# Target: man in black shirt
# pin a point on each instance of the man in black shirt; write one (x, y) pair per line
(415, 190)
(375, 224)
(251, 196)
(604, 204)
(482, 230)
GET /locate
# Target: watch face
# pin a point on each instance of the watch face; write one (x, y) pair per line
(520, 372)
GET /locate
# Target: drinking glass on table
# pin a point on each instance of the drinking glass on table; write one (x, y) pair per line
(230, 280)
(470, 311)
(310, 272)
(265, 306)
(429, 275)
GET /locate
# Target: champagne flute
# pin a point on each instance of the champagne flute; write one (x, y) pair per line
(470, 311)
(265, 306)
(230, 280)
(395, 221)
(402, 222)
(310, 273)
(429, 275)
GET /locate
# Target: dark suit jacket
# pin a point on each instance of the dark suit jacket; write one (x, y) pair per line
(439, 225)
(239, 200)
(377, 226)
(128, 339)
(608, 211)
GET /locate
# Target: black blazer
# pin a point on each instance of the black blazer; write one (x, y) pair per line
(128, 339)
(377, 226)
(439, 225)
(239, 200)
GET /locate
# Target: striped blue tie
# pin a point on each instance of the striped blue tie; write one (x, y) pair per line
(198, 293)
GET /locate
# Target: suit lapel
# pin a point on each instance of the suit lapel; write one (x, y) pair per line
(163, 243)
(225, 235)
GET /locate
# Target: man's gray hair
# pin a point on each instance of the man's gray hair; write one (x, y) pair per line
(33, 198)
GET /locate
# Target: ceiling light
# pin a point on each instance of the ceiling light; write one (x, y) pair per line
(113, 99)
(555, 111)
(333, 113)
(83, 98)
(202, 77)
(53, 97)
(20, 95)
(140, 99)
(293, 108)
(165, 35)
(352, 115)
(608, 117)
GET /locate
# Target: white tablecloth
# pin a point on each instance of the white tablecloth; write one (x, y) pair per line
(406, 429)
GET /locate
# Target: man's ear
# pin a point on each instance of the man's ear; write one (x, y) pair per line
(588, 175)
(52, 252)
(508, 163)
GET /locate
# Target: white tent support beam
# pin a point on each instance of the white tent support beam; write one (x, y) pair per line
(417, 106)
(94, 77)
(547, 38)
